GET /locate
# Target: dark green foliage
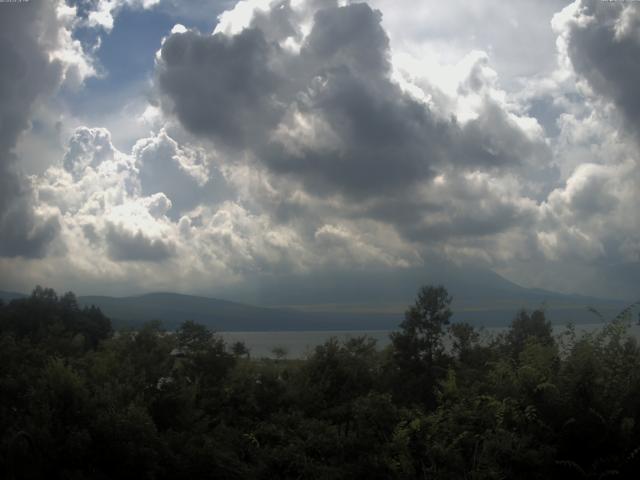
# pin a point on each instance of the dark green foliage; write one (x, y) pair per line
(418, 347)
(526, 327)
(78, 402)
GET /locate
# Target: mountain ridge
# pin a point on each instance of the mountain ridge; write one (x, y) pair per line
(348, 300)
(227, 315)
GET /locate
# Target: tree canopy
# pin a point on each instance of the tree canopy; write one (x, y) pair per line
(442, 401)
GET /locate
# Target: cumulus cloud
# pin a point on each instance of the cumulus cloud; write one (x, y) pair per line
(77, 61)
(602, 42)
(329, 113)
(103, 12)
(37, 55)
(517, 35)
(126, 245)
(178, 171)
(219, 85)
(114, 230)
(337, 139)
(316, 136)
(450, 162)
(112, 227)
(98, 194)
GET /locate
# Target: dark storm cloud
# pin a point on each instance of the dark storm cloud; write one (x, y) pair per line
(124, 245)
(387, 140)
(459, 207)
(327, 116)
(222, 86)
(490, 141)
(593, 198)
(25, 66)
(349, 36)
(26, 73)
(486, 220)
(238, 89)
(277, 23)
(605, 49)
(22, 232)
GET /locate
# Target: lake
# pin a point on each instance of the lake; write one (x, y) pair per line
(298, 344)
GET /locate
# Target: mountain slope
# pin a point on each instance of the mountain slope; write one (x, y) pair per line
(173, 309)
(351, 300)
(468, 285)
(480, 296)
(8, 296)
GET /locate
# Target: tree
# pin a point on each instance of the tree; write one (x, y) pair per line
(194, 337)
(466, 346)
(527, 326)
(464, 337)
(240, 349)
(280, 352)
(419, 344)
(421, 337)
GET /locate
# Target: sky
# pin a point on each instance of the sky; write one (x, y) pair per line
(213, 145)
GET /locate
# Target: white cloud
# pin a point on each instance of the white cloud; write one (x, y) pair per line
(232, 22)
(103, 15)
(79, 63)
(312, 166)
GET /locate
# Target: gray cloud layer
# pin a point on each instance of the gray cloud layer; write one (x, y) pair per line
(219, 85)
(328, 115)
(124, 245)
(27, 74)
(604, 47)
(298, 139)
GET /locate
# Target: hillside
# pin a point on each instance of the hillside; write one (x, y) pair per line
(172, 309)
(352, 301)
(8, 296)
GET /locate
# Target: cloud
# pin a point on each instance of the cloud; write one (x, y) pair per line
(104, 11)
(88, 148)
(37, 55)
(593, 214)
(354, 134)
(328, 114)
(517, 35)
(338, 148)
(180, 172)
(602, 42)
(25, 230)
(126, 245)
(114, 231)
(77, 61)
(112, 226)
(319, 136)
(220, 86)
(370, 246)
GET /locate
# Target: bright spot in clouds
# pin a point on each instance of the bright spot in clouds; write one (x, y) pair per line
(296, 137)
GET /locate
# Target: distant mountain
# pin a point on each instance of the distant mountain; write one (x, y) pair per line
(480, 296)
(468, 285)
(173, 309)
(221, 315)
(8, 296)
(351, 300)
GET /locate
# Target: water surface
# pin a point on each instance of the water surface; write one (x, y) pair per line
(298, 344)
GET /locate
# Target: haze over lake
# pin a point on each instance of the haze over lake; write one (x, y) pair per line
(302, 344)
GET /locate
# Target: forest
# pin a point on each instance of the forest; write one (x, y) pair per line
(79, 400)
